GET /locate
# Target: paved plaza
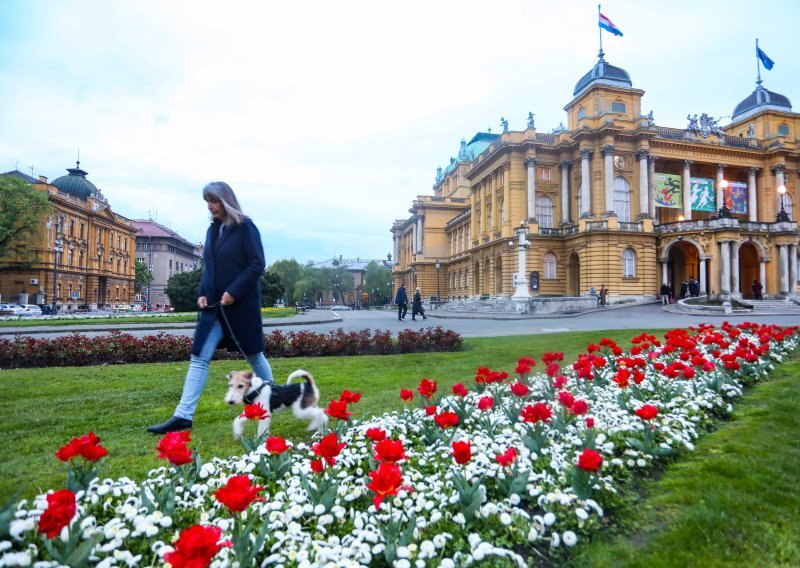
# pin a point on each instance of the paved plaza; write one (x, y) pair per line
(647, 316)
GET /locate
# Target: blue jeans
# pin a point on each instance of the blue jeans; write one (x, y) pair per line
(197, 375)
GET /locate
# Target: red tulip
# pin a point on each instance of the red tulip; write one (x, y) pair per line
(590, 460)
(87, 446)
(350, 397)
(238, 493)
(254, 412)
(328, 448)
(406, 395)
(459, 389)
(539, 412)
(59, 513)
(389, 451)
(485, 403)
(446, 420)
(647, 412)
(338, 409)
(386, 480)
(276, 445)
(173, 448)
(376, 434)
(426, 388)
(196, 547)
(507, 458)
(520, 389)
(462, 452)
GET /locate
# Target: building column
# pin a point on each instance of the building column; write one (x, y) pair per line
(664, 275)
(495, 216)
(473, 218)
(792, 270)
(784, 269)
(608, 176)
(531, 163)
(651, 187)
(780, 180)
(725, 268)
(762, 272)
(586, 183)
(701, 277)
(720, 194)
(752, 196)
(687, 190)
(484, 210)
(564, 167)
(644, 186)
(735, 267)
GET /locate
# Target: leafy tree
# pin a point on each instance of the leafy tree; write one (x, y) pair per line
(22, 209)
(182, 289)
(143, 277)
(378, 282)
(310, 285)
(338, 280)
(271, 288)
(290, 272)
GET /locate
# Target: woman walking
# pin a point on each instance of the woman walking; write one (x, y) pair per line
(229, 300)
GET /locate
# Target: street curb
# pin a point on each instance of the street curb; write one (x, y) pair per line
(510, 317)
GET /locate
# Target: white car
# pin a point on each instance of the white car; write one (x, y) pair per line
(32, 310)
(122, 308)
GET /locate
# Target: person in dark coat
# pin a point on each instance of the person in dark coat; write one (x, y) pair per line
(758, 290)
(229, 300)
(416, 306)
(401, 299)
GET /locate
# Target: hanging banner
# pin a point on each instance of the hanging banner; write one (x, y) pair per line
(736, 196)
(703, 195)
(668, 191)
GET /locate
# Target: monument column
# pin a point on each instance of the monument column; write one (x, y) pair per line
(687, 190)
(608, 176)
(564, 167)
(720, 194)
(531, 163)
(752, 195)
(735, 267)
(586, 183)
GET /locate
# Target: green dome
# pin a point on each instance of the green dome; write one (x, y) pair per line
(76, 184)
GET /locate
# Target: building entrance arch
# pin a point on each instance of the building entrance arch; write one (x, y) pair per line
(683, 265)
(749, 269)
(574, 275)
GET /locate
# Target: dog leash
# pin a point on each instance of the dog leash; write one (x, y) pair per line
(228, 325)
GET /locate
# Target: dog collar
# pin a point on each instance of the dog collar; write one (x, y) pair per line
(251, 397)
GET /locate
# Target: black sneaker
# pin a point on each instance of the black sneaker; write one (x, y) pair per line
(174, 424)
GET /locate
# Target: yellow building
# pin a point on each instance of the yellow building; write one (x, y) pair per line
(84, 254)
(613, 199)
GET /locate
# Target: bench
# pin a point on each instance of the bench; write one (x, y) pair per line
(301, 309)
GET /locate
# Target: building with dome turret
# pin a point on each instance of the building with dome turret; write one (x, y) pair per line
(84, 255)
(612, 199)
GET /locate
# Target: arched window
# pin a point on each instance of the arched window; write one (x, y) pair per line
(549, 261)
(622, 199)
(544, 211)
(628, 263)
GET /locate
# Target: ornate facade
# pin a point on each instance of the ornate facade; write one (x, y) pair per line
(83, 255)
(613, 199)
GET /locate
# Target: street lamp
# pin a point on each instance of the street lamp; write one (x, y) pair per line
(783, 216)
(57, 248)
(438, 265)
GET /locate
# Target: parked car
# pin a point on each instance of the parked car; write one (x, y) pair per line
(122, 308)
(32, 310)
(6, 310)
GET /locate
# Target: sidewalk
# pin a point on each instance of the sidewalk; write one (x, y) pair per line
(447, 314)
(310, 318)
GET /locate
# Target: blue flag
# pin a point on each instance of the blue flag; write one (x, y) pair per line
(768, 63)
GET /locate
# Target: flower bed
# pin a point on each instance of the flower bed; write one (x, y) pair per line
(510, 468)
(117, 347)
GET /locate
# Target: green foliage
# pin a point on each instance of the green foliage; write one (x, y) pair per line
(182, 289)
(143, 276)
(290, 272)
(22, 211)
(271, 288)
(378, 283)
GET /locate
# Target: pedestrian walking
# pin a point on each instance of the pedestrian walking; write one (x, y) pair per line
(416, 306)
(401, 299)
(229, 300)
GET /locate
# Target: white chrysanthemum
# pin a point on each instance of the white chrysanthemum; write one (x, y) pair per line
(549, 519)
(570, 538)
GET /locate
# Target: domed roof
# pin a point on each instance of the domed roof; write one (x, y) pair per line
(604, 74)
(761, 98)
(76, 184)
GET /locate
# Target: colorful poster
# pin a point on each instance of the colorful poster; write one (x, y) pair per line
(736, 196)
(668, 191)
(703, 196)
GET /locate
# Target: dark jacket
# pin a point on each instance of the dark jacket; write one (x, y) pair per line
(417, 302)
(401, 297)
(233, 262)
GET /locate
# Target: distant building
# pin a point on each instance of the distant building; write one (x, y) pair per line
(613, 199)
(166, 253)
(83, 254)
(358, 268)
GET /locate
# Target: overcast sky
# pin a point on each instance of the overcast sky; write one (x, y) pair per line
(329, 118)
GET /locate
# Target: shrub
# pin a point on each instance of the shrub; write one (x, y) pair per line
(119, 348)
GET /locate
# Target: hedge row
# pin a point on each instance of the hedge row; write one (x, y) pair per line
(118, 348)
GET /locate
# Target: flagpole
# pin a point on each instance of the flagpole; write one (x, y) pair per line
(600, 53)
(758, 65)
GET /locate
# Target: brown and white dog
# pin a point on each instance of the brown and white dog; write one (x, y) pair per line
(303, 397)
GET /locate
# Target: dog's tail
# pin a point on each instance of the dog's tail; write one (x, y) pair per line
(301, 373)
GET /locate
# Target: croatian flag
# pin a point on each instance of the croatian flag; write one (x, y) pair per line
(609, 26)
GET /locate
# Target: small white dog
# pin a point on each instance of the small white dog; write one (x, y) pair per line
(245, 388)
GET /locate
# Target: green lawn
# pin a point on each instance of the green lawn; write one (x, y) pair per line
(128, 318)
